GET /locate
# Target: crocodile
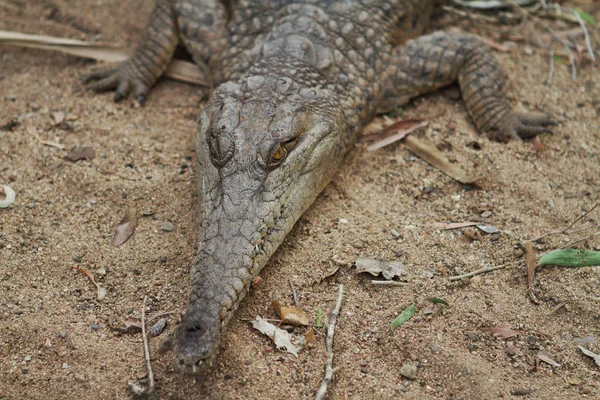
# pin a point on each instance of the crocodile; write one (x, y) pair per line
(293, 85)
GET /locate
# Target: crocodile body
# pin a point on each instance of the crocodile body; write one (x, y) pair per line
(294, 84)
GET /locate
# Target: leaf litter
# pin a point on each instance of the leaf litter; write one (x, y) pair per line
(100, 290)
(501, 333)
(290, 315)
(404, 316)
(126, 228)
(282, 339)
(388, 269)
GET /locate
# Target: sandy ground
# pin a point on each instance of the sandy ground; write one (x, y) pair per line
(57, 341)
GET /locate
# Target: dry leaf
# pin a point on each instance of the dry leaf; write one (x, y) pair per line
(309, 337)
(588, 353)
(290, 315)
(126, 227)
(8, 194)
(58, 117)
(531, 266)
(399, 130)
(433, 156)
(81, 153)
(389, 269)
(179, 70)
(100, 291)
(543, 357)
(501, 333)
(281, 338)
(131, 326)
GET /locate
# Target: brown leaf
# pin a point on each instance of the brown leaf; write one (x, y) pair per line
(126, 228)
(501, 333)
(131, 326)
(290, 315)
(543, 357)
(398, 131)
(100, 291)
(58, 117)
(433, 156)
(309, 337)
(81, 153)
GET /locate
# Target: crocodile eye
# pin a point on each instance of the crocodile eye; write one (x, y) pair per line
(279, 154)
(214, 153)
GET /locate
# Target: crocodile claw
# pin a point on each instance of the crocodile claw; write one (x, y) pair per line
(122, 78)
(519, 126)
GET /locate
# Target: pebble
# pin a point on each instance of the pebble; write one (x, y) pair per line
(77, 258)
(63, 335)
(395, 233)
(79, 377)
(409, 371)
(455, 197)
(95, 327)
(486, 214)
(27, 358)
(472, 335)
(30, 205)
(434, 347)
(167, 226)
(65, 366)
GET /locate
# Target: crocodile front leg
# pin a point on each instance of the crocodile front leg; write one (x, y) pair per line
(425, 64)
(149, 61)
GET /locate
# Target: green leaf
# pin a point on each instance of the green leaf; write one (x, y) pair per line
(437, 300)
(319, 322)
(404, 316)
(571, 258)
(586, 17)
(558, 59)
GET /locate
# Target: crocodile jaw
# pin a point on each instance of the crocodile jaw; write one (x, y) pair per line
(248, 207)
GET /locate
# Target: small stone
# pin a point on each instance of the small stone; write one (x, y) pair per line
(95, 327)
(65, 366)
(409, 371)
(63, 335)
(510, 349)
(167, 226)
(399, 253)
(77, 258)
(27, 358)
(434, 347)
(30, 205)
(486, 214)
(395, 233)
(472, 335)
(455, 197)
(79, 377)
(343, 221)
(101, 271)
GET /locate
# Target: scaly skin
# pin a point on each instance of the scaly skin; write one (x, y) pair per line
(295, 84)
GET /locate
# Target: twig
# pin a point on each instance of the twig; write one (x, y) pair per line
(161, 315)
(588, 44)
(478, 272)
(531, 265)
(551, 69)
(329, 370)
(150, 388)
(389, 283)
(138, 391)
(585, 239)
(566, 230)
(296, 303)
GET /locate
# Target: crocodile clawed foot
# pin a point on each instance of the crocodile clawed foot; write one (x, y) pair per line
(519, 126)
(121, 78)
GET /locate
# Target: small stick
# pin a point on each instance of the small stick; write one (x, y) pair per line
(161, 315)
(531, 265)
(150, 388)
(389, 283)
(329, 370)
(566, 230)
(579, 241)
(588, 44)
(551, 69)
(478, 272)
(296, 303)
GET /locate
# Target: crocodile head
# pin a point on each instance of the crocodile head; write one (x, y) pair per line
(266, 147)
